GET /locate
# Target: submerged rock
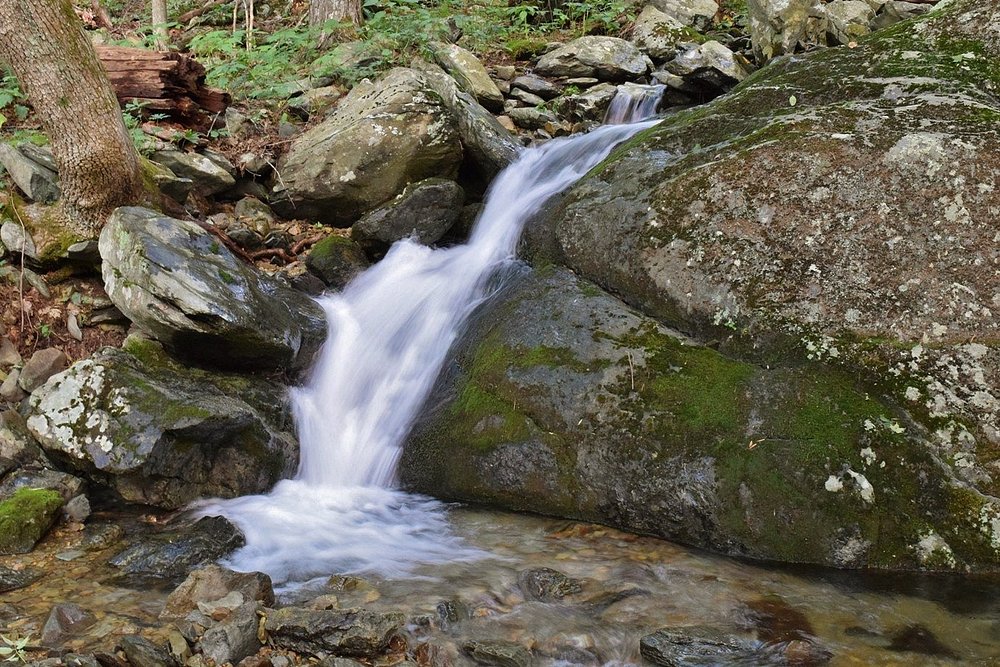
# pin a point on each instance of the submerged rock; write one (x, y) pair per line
(163, 434)
(346, 632)
(546, 585)
(697, 646)
(498, 653)
(179, 283)
(336, 260)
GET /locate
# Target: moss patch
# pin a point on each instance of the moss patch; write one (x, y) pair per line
(25, 518)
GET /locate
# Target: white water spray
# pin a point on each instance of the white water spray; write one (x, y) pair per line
(390, 330)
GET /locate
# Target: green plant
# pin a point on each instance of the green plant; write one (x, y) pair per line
(45, 331)
(14, 648)
(13, 97)
(132, 115)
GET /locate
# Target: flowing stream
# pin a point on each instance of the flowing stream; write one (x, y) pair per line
(390, 330)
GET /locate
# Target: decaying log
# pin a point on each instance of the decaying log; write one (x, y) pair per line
(168, 83)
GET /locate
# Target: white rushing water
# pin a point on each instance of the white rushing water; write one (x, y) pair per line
(390, 330)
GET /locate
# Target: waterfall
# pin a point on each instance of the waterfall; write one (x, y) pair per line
(390, 331)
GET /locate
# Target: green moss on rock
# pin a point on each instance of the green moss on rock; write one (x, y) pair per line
(25, 517)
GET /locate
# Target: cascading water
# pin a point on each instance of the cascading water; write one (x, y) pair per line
(390, 330)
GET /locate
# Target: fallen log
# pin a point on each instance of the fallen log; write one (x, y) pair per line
(168, 83)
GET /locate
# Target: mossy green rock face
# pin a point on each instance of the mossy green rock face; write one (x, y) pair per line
(838, 207)
(563, 400)
(26, 517)
(163, 434)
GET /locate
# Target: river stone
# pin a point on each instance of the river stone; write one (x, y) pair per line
(607, 58)
(470, 75)
(697, 646)
(710, 66)
(336, 260)
(37, 182)
(382, 136)
(832, 265)
(785, 26)
(43, 364)
(537, 85)
(12, 580)
(213, 582)
(140, 652)
(424, 211)
(532, 118)
(65, 620)
(163, 434)
(172, 554)
(207, 174)
(25, 517)
(696, 13)
(179, 283)
(356, 633)
(848, 20)
(590, 105)
(546, 585)
(235, 638)
(498, 653)
(657, 34)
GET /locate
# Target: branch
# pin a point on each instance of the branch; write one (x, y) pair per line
(195, 13)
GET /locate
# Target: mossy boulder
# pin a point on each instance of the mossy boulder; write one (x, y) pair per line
(382, 136)
(336, 260)
(562, 400)
(182, 285)
(159, 433)
(838, 207)
(26, 517)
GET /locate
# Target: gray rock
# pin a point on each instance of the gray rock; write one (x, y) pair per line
(212, 583)
(9, 356)
(590, 105)
(37, 182)
(17, 446)
(532, 118)
(254, 213)
(528, 98)
(895, 11)
(172, 554)
(234, 638)
(66, 485)
(657, 34)
(12, 580)
(546, 585)
(607, 58)
(470, 74)
(16, 240)
(537, 85)
(709, 66)
(498, 653)
(696, 646)
(86, 252)
(163, 434)
(381, 137)
(316, 102)
(207, 175)
(786, 26)
(26, 517)
(849, 20)
(179, 283)
(169, 183)
(10, 390)
(43, 364)
(355, 633)
(77, 510)
(99, 536)
(38, 154)
(425, 210)
(64, 622)
(695, 13)
(336, 260)
(140, 652)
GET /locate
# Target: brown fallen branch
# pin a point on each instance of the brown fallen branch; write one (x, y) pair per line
(279, 253)
(233, 246)
(305, 243)
(167, 83)
(195, 13)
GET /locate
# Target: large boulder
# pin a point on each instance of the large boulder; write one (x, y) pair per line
(163, 434)
(786, 26)
(608, 58)
(425, 211)
(382, 136)
(470, 75)
(836, 253)
(180, 284)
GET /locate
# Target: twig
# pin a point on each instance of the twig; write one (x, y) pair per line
(304, 243)
(280, 253)
(631, 370)
(195, 13)
(226, 241)
(20, 278)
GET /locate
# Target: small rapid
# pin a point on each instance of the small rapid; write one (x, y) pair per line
(390, 331)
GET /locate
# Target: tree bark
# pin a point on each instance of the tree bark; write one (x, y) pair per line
(160, 24)
(321, 11)
(43, 43)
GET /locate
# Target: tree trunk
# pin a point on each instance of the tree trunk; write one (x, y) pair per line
(43, 43)
(321, 11)
(160, 24)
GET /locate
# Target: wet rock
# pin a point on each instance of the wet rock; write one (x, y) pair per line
(451, 613)
(16, 240)
(657, 34)
(607, 58)
(425, 211)
(176, 281)
(470, 75)
(207, 175)
(498, 653)
(66, 485)
(695, 646)
(42, 365)
(26, 517)
(178, 647)
(546, 585)
(214, 582)
(77, 510)
(347, 632)
(775, 620)
(64, 622)
(235, 638)
(381, 137)
(849, 20)
(141, 652)
(590, 105)
(98, 536)
(710, 67)
(336, 260)
(785, 26)
(173, 553)
(536, 85)
(12, 580)
(531, 118)
(163, 434)
(695, 13)
(528, 98)
(922, 640)
(37, 182)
